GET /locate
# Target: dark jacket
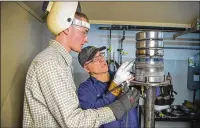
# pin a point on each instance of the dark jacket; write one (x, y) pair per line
(93, 94)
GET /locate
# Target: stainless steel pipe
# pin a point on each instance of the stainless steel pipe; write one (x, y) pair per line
(149, 107)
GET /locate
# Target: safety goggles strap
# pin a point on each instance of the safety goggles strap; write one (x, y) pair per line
(81, 23)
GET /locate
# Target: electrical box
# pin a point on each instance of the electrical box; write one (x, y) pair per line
(193, 78)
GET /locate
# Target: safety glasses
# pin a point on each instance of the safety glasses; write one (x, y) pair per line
(83, 31)
(96, 58)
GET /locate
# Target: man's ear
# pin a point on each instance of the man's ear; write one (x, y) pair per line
(86, 69)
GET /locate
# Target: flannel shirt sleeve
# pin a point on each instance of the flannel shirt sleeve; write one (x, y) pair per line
(88, 99)
(60, 95)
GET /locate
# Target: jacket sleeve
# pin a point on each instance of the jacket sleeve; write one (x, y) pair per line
(157, 91)
(59, 91)
(88, 98)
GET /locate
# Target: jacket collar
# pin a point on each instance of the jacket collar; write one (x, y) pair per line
(94, 80)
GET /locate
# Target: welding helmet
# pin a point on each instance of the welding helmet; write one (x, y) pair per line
(61, 16)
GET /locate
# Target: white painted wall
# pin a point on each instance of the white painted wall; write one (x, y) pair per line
(46, 36)
(21, 40)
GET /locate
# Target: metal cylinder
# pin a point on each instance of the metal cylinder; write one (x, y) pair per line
(149, 68)
(150, 71)
(156, 79)
(149, 44)
(149, 35)
(149, 52)
(149, 107)
(149, 56)
(145, 62)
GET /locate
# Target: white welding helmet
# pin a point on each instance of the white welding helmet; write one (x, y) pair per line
(61, 16)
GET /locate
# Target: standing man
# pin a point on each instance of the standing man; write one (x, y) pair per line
(97, 92)
(50, 98)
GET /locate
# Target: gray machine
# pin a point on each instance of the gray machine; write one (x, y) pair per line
(193, 78)
(149, 70)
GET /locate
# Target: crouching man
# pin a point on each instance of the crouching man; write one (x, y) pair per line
(100, 91)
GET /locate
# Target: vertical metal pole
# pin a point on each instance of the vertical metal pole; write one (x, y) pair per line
(109, 49)
(149, 107)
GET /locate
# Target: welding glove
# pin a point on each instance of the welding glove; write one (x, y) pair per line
(123, 73)
(117, 90)
(125, 102)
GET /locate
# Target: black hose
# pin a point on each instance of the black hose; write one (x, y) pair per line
(194, 96)
(121, 47)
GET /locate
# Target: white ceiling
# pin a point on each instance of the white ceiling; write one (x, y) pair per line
(168, 13)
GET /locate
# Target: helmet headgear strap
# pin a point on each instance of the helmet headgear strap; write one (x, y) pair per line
(81, 23)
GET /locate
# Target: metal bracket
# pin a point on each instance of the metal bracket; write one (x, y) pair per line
(183, 33)
(194, 27)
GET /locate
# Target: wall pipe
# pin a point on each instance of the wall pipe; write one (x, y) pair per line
(181, 48)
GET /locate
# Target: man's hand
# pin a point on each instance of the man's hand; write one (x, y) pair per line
(126, 102)
(132, 94)
(123, 73)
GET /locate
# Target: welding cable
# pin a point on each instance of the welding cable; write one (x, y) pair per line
(123, 84)
(199, 96)
(126, 120)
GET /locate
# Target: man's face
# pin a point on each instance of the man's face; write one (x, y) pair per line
(97, 65)
(78, 37)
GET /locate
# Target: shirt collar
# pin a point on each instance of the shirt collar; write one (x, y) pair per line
(62, 51)
(94, 80)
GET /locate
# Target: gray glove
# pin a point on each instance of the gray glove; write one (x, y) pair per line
(126, 102)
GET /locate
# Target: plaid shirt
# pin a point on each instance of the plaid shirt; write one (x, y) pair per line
(50, 98)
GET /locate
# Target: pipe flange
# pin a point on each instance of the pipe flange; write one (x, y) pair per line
(166, 82)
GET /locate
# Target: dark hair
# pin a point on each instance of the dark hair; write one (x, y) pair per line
(80, 15)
